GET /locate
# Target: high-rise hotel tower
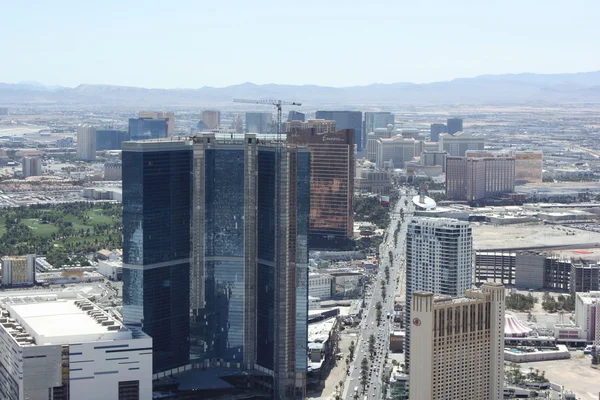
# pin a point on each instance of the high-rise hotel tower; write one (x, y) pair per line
(245, 225)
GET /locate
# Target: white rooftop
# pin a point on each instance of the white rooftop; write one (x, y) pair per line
(61, 321)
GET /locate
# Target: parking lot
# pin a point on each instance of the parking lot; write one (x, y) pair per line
(575, 374)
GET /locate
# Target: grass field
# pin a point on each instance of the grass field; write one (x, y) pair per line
(39, 229)
(96, 216)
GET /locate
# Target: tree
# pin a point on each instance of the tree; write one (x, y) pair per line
(372, 344)
(351, 349)
(378, 316)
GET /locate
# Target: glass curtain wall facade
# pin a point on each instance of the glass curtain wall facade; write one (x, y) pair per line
(147, 128)
(347, 120)
(250, 268)
(109, 139)
(156, 246)
(332, 182)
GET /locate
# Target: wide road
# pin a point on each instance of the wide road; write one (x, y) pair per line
(368, 325)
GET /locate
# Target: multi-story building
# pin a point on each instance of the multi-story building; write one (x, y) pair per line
(331, 182)
(584, 277)
(454, 125)
(472, 179)
(113, 171)
(458, 145)
(375, 120)
(439, 254)
(320, 126)
(458, 344)
(57, 345)
(157, 195)
(435, 130)
(169, 117)
(232, 219)
(432, 158)
(394, 152)
(18, 270)
(587, 315)
(249, 283)
(147, 128)
(296, 116)
(86, 143)
(32, 166)
(319, 285)
(528, 164)
(370, 180)
(109, 139)
(211, 118)
(372, 141)
(259, 122)
(347, 120)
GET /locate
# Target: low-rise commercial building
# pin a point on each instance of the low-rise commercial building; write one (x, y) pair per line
(61, 346)
(319, 285)
(375, 181)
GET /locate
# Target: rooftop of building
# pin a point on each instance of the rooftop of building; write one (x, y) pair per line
(589, 297)
(318, 332)
(58, 318)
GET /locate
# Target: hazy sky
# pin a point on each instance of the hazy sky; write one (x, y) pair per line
(193, 43)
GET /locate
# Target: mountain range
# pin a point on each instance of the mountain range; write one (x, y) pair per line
(521, 88)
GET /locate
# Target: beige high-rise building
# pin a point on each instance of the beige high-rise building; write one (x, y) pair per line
(86, 143)
(394, 152)
(321, 126)
(458, 345)
(168, 116)
(18, 270)
(474, 178)
(211, 118)
(457, 145)
(372, 137)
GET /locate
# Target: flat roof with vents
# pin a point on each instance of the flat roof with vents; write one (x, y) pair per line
(63, 321)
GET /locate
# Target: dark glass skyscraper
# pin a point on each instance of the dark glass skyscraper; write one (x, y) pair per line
(147, 128)
(435, 130)
(347, 120)
(296, 116)
(454, 125)
(109, 139)
(249, 286)
(374, 120)
(157, 194)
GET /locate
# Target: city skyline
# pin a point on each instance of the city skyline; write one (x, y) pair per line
(259, 33)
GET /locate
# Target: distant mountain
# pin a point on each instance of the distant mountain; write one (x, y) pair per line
(489, 89)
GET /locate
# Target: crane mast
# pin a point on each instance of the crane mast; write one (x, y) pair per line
(277, 104)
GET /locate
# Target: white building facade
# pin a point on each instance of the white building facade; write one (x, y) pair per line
(319, 285)
(61, 346)
(439, 259)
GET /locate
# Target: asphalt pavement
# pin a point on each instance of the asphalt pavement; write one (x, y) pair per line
(368, 325)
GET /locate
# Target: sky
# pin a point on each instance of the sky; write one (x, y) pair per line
(195, 43)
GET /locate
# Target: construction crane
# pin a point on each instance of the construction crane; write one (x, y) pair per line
(277, 104)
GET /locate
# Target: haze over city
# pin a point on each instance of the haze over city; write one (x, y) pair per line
(190, 44)
(316, 200)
